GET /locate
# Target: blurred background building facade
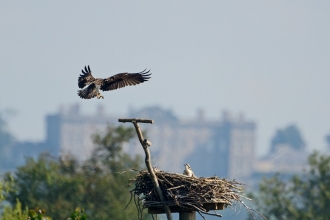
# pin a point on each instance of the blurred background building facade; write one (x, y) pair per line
(223, 146)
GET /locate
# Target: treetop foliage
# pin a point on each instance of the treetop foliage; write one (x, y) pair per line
(303, 197)
(60, 185)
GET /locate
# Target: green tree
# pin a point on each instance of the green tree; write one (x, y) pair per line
(78, 214)
(42, 184)
(15, 213)
(303, 197)
(10, 212)
(109, 149)
(61, 185)
(289, 135)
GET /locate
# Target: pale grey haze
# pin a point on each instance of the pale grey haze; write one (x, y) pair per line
(266, 59)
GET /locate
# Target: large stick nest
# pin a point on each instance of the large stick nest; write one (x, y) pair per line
(183, 191)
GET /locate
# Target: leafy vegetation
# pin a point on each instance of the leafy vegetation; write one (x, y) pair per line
(78, 214)
(15, 213)
(302, 197)
(61, 185)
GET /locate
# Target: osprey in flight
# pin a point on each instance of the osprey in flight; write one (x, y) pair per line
(117, 81)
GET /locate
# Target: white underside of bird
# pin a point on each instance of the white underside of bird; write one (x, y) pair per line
(188, 171)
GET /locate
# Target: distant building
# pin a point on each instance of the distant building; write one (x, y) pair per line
(222, 147)
(173, 139)
(288, 156)
(71, 132)
(285, 160)
(230, 151)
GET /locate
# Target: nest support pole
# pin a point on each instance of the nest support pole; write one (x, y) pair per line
(187, 215)
(145, 145)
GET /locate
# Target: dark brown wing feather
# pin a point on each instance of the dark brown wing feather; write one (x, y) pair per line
(88, 92)
(86, 78)
(124, 79)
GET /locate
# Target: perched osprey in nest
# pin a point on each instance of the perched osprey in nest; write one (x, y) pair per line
(188, 171)
(117, 81)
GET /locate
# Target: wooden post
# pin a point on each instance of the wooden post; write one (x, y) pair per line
(145, 143)
(187, 215)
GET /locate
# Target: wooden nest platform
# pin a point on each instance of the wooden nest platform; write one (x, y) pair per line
(184, 194)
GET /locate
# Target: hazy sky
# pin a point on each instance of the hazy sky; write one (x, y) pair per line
(267, 59)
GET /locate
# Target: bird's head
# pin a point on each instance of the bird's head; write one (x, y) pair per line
(187, 166)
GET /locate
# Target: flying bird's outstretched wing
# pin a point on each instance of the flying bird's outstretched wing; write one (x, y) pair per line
(86, 78)
(124, 79)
